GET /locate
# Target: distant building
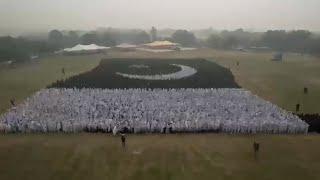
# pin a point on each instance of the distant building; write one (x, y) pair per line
(260, 48)
(126, 47)
(162, 45)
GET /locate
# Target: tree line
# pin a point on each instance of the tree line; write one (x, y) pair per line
(21, 49)
(298, 41)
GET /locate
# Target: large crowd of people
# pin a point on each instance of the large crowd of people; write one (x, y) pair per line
(185, 71)
(149, 111)
(313, 120)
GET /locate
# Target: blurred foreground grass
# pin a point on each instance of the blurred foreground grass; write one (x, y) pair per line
(203, 156)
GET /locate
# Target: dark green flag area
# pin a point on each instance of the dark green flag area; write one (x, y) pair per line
(209, 75)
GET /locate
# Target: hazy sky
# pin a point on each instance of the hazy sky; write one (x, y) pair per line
(19, 15)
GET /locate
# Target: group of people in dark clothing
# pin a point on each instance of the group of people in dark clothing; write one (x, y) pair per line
(313, 120)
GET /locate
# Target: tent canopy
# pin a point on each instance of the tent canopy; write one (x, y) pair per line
(80, 47)
(161, 43)
(126, 45)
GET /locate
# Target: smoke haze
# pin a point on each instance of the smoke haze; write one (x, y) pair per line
(26, 15)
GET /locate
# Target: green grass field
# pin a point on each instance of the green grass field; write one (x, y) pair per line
(23, 80)
(203, 156)
(279, 82)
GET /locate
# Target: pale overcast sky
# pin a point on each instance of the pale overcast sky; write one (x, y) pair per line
(20, 15)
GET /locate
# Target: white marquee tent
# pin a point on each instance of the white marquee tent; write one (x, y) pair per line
(126, 45)
(92, 48)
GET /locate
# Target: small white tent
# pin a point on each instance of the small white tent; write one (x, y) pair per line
(84, 49)
(126, 47)
(161, 45)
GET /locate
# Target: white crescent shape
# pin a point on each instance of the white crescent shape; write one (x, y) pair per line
(185, 71)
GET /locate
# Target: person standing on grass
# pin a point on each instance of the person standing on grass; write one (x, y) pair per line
(115, 130)
(63, 71)
(256, 148)
(13, 102)
(297, 107)
(123, 140)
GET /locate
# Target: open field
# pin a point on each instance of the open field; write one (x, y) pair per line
(281, 83)
(203, 156)
(23, 80)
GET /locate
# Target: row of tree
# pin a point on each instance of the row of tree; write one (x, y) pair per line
(112, 37)
(20, 49)
(299, 41)
(108, 37)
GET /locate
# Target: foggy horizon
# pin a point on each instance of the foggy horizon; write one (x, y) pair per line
(44, 15)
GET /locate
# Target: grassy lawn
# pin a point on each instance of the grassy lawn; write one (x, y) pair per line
(23, 80)
(281, 83)
(204, 156)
